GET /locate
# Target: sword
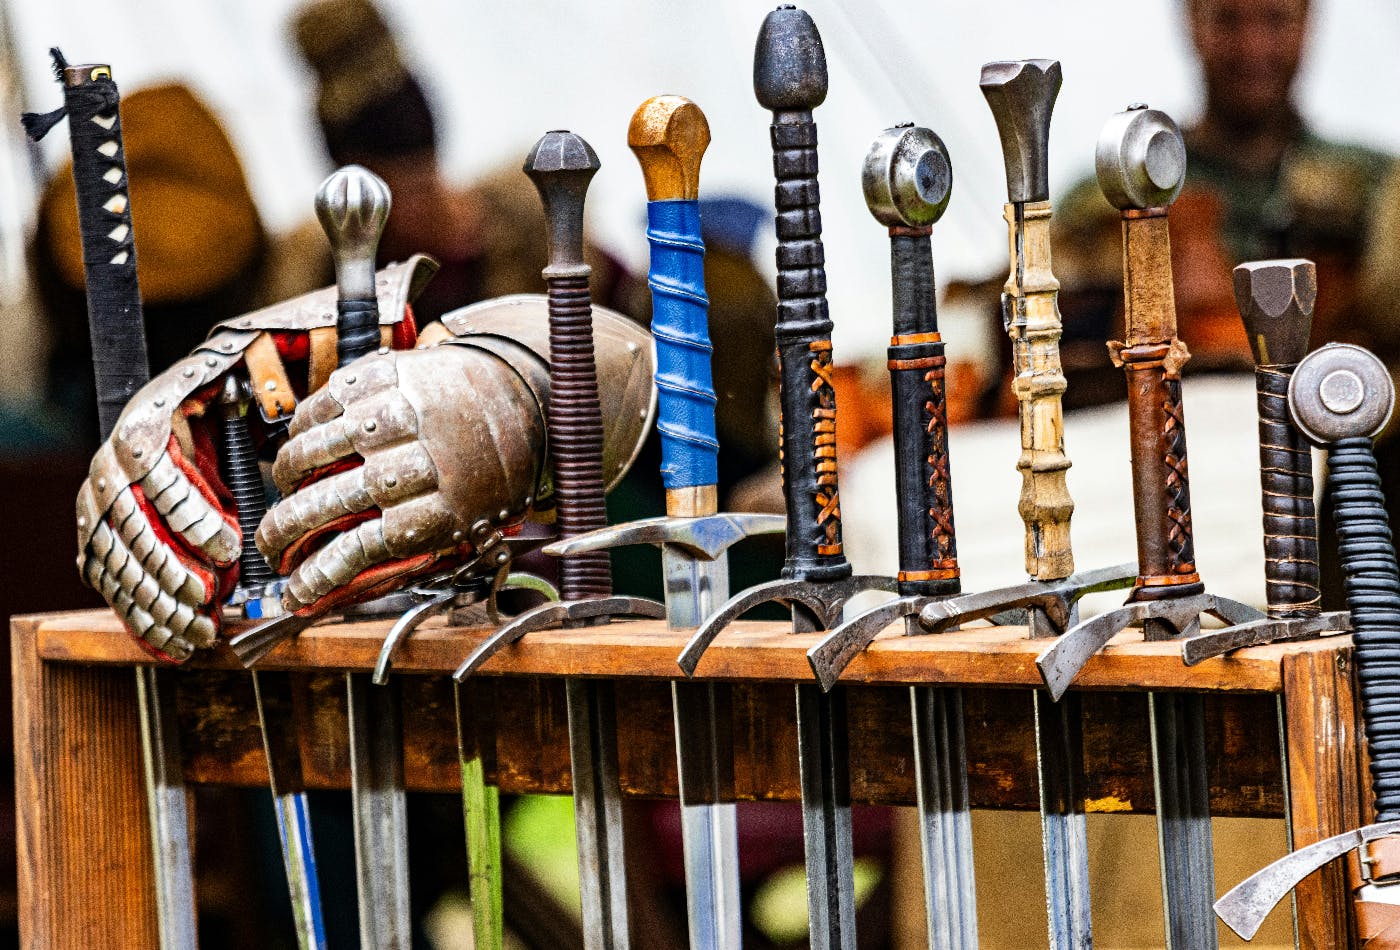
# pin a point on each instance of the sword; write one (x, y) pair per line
(561, 165)
(790, 79)
(908, 179)
(1141, 163)
(669, 135)
(1276, 303)
(120, 363)
(1339, 397)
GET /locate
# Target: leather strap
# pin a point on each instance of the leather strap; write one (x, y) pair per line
(323, 357)
(268, 376)
(1377, 923)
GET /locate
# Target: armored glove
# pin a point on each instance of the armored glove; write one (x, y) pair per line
(407, 461)
(158, 533)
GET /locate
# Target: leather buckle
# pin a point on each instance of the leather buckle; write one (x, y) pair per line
(1367, 862)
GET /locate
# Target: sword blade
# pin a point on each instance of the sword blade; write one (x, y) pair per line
(380, 825)
(823, 757)
(167, 807)
(597, 813)
(1182, 788)
(945, 818)
(1059, 748)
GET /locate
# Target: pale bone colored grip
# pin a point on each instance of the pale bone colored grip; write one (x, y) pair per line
(1034, 327)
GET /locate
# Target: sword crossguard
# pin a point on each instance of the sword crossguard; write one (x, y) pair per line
(704, 538)
(1061, 663)
(820, 601)
(1254, 633)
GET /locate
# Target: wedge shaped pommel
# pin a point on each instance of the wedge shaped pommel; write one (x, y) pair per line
(669, 135)
(907, 177)
(1276, 303)
(1022, 97)
(1140, 159)
(789, 63)
(561, 165)
(353, 205)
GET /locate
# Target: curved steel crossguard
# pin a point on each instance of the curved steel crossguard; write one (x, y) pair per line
(705, 537)
(1061, 663)
(1055, 599)
(1213, 643)
(1244, 907)
(822, 602)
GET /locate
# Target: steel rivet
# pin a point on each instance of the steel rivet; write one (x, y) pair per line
(82, 522)
(189, 371)
(245, 323)
(102, 484)
(137, 453)
(390, 481)
(371, 425)
(457, 536)
(410, 534)
(350, 380)
(383, 351)
(226, 346)
(160, 401)
(1341, 391)
(210, 361)
(631, 347)
(270, 385)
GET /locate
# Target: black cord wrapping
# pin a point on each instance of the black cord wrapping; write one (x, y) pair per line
(356, 329)
(245, 482)
(1291, 570)
(1371, 579)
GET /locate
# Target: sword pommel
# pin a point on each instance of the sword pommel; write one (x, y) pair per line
(789, 63)
(1276, 303)
(1022, 95)
(561, 165)
(1140, 159)
(669, 135)
(353, 205)
(1340, 392)
(75, 76)
(907, 177)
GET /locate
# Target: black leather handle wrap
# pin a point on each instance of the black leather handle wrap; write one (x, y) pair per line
(1291, 572)
(803, 334)
(928, 564)
(1372, 583)
(356, 329)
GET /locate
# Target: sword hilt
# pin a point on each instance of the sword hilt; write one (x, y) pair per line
(908, 179)
(789, 78)
(1340, 397)
(257, 582)
(1275, 300)
(561, 165)
(669, 136)
(1022, 96)
(1141, 164)
(353, 205)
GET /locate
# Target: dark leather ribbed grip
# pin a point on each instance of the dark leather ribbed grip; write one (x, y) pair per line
(928, 564)
(576, 435)
(245, 482)
(1371, 580)
(1291, 571)
(356, 329)
(803, 334)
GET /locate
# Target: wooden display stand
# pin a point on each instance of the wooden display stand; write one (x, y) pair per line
(85, 871)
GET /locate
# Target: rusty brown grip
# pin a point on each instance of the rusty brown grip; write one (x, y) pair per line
(575, 430)
(1291, 572)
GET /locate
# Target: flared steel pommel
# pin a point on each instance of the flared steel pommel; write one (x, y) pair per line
(1276, 303)
(1021, 94)
(1140, 159)
(669, 135)
(561, 165)
(1340, 391)
(907, 177)
(353, 205)
(789, 63)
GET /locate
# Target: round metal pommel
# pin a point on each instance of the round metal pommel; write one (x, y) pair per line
(561, 165)
(907, 177)
(1140, 159)
(1276, 299)
(1340, 391)
(352, 205)
(1021, 94)
(789, 63)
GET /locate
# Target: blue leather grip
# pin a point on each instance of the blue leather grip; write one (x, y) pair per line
(680, 324)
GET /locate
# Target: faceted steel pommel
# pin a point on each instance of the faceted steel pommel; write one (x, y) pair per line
(789, 63)
(352, 205)
(1022, 97)
(907, 177)
(1276, 303)
(1340, 391)
(1140, 159)
(561, 165)
(669, 135)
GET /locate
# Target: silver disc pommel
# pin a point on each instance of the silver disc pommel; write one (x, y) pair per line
(1340, 392)
(1022, 95)
(1140, 159)
(789, 62)
(352, 205)
(561, 165)
(907, 177)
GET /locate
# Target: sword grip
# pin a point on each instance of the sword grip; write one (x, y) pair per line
(356, 329)
(1032, 318)
(115, 319)
(240, 464)
(928, 564)
(1291, 572)
(680, 324)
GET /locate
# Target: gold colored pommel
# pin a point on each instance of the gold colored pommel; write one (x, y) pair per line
(669, 136)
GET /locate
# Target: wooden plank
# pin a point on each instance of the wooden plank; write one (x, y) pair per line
(1322, 719)
(748, 651)
(85, 869)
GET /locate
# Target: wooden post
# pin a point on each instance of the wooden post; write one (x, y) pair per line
(1322, 720)
(85, 872)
